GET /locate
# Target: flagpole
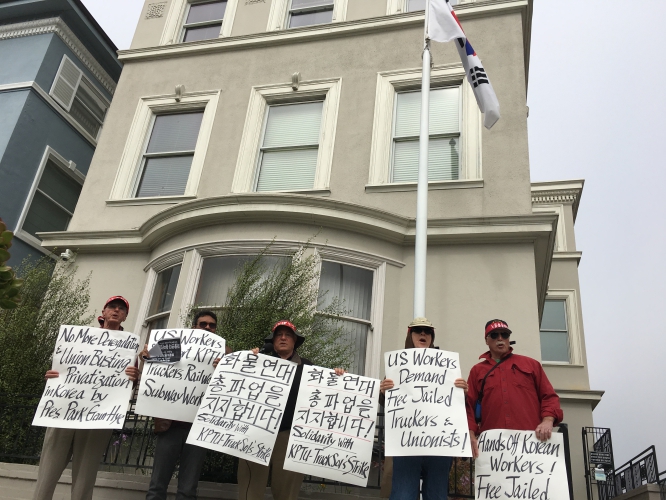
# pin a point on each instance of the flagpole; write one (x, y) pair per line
(421, 245)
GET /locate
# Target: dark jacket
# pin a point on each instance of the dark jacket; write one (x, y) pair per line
(288, 416)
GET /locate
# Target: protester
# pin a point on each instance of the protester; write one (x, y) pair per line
(170, 445)
(512, 391)
(408, 471)
(252, 477)
(84, 447)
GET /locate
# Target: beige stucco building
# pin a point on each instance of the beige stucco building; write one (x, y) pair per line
(213, 147)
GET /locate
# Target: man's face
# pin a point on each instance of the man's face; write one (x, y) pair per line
(207, 323)
(115, 311)
(284, 341)
(499, 346)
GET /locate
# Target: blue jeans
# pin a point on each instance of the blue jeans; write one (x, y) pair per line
(407, 471)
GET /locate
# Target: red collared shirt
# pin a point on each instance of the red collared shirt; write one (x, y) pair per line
(517, 395)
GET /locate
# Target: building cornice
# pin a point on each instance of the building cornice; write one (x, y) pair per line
(558, 192)
(590, 397)
(325, 31)
(58, 26)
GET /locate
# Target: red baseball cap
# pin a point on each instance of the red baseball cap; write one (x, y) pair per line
(497, 324)
(117, 298)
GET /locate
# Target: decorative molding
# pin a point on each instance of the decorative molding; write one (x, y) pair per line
(432, 186)
(568, 256)
(157, 200)
(323, 31)
(580, 396)
(166, 261)
(561, 237)
(558, 192)
(155, 10)
(58, 26)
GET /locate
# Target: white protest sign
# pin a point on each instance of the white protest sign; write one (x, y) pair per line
(175, 390)
(92, 391)
(243, 406)
(334, 426)
(515, 464)
(424, 413)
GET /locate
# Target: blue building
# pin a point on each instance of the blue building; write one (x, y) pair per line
(58, 73)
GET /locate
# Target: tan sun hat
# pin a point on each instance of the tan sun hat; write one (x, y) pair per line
(420, 322)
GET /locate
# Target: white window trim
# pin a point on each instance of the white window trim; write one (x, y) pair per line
(279, 14)
(373, 348)
(144, 117)
(573, 324)
(263, 96)
(560, 234)
(173, 25)
(400, 6)
(391, 82)
(69, 168)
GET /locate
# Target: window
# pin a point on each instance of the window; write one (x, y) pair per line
(204, 20)
(555, 331)
(168, 157)
(415, 5)
(218, 274)
(78, 96)
(162, 301)
(288, 156)
(166, 148)
(309, 12)
(288, 137)
(443, 154)
(353, 287)
(455, 131)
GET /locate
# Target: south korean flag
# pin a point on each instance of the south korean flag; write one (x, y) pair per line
(444, 26)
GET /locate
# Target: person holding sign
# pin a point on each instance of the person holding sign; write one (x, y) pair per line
(409, 470)
(509, 391)
(84, 447)
(282, 342)
(170, 445)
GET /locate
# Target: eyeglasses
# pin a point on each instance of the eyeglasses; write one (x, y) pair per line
(204, 324)
(419, 329)
(494, 335)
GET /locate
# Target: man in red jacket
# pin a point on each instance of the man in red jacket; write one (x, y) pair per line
(513, 391)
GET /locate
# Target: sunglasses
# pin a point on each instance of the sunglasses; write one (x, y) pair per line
(494, 335)
(206, 324)
(418, 329)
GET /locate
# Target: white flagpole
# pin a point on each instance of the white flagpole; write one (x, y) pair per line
(421, 246)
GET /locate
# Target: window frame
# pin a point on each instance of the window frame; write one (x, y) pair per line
(389, 84)
(185, 26)
(174, 24)
(261, 97)
(431, 136)
(91, 88)
(400, 6)
(280, 14)
(305, 10)
(66, 166)
(572, 310)
(131, 162)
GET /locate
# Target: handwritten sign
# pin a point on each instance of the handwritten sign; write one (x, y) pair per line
(243, 406)
(334, 426)
(515, 464)
(425, 413)
(175, 390)
(92, 391)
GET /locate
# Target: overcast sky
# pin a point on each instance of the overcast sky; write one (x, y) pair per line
(597, 112)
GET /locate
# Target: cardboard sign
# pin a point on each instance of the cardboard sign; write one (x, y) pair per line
(92, 391)
(334, 426)
(515, 464)
(424, 412)
(175, 389)
(243, 406)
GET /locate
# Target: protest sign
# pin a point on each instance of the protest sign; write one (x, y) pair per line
(174, 390)
(515, 464)
(92, 391)
(424, 413)
(241, 412)
(334, 426)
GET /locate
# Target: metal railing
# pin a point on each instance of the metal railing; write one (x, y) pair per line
(642, 469)
(662, 485)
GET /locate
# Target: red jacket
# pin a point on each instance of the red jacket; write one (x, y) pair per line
(517, 395)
